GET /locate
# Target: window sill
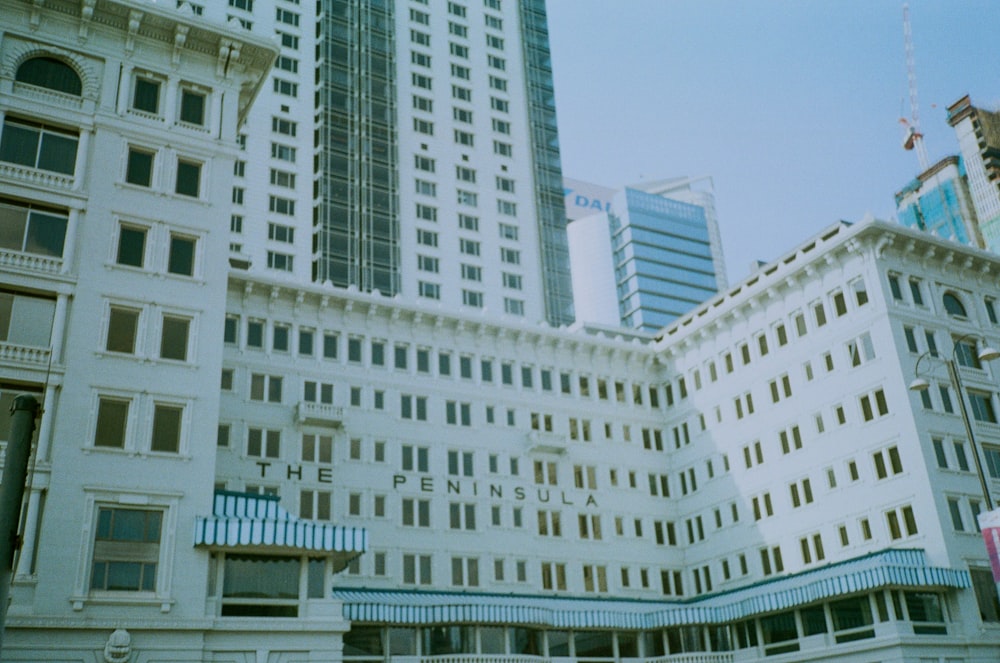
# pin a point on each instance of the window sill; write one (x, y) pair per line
(200, 128)
(134, 453)
(146, 115)
(122, 598)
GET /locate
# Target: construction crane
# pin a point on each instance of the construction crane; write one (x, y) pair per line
(914, 140)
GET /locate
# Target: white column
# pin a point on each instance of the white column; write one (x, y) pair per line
(82, 149)
(44, 449)
(124, 88)
(169, 110)
(30, 533)
(69, 246)
(58, 328)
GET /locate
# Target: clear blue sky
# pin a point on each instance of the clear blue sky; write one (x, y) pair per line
(792, 107)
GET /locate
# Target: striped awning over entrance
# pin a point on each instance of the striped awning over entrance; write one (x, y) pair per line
(887, 568)
(257, 523)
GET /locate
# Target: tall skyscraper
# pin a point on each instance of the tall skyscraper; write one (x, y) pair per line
(938, 201)
(652, 255)
(423, 138)
(978, 133)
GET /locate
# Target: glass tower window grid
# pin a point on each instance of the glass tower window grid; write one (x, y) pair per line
(356, 237)
(547, 165)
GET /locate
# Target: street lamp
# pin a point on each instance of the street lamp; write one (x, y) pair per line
(987, 353)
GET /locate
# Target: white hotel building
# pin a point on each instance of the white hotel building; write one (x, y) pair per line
(402, 479)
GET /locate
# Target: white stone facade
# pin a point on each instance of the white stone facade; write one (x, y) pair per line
(755, 481)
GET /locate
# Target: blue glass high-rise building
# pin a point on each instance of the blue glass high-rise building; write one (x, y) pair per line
(661, 245)
(938, 201)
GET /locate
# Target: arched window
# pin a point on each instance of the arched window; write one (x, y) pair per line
(51, 73)
(953, 305)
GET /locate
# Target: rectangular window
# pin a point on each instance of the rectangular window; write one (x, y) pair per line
(427, 237)
(512, 281)
(472, 298)
(469, 198)
(468, 247)
(472, 272)
(280, 261)
(181, 257)
(285, 63)
(188, 178)
(112, 422)
(915, 292)
(427, 264)
(991, 309)
(464, 174)
(263, 443)
(126, 550)
(192, 107)
(166, 428)
(982, 406)
(283, 152)
(174, 338)
(38, 146)
(426, 212)
(123, 323)
(139, 167)
(131, 246)
(146, 95)
(510, 256)
(286, 88)
(425, 188)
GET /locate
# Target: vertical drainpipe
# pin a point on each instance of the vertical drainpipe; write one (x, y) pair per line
(23, 412)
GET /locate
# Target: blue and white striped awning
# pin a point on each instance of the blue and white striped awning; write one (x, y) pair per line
(887, 568)
(257, 523)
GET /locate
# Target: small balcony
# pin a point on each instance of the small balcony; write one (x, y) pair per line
(547, 442)
(309, 413)
(24, 355)
(44, 179)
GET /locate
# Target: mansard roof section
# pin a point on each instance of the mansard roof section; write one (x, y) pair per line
(829, 247)
(620, 344)
(239, 54)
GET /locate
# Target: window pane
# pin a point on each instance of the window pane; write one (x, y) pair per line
(13, 221)
(167, 428)
(173, 344)
(111, 420)
(58, 153)
(188, 178)
(253, 576)
(192, 107)
(181, 260)
(139, 169)
(122, 325)
(19, 144)
(46, 234)
(147, 95)
(131, 246)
